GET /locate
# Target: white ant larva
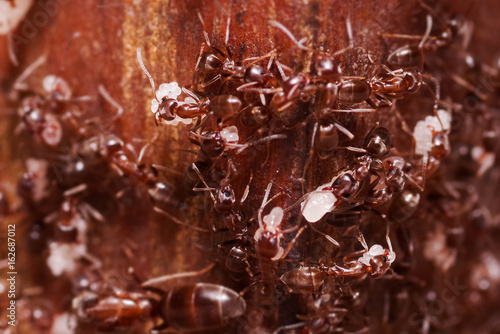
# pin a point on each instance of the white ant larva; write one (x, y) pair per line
(318, 203)
(430, 133)
(166, 101)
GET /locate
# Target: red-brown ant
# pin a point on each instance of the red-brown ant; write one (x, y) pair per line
(375, 262)
(186, 307)
(46, 114)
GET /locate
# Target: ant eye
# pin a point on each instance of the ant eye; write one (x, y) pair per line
(384, 258)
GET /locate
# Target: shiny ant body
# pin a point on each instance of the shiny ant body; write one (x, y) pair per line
(191, 307)
(375, 262)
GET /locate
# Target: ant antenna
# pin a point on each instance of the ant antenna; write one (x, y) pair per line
(258, 141)
(141, 64)
(226, 40)
(145, 147)
(204, 29)
(349, 31)
(10, 47)
(427, 32)
(287, 32)
(104, 93)
(162, 279)
(177, 221)
(203, 180)
(27, 72)
(264, 202)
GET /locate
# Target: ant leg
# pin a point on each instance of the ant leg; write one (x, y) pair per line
(287, 32)
(362, 240)
(207, 188)
(10, 47)
(17, 85)
(436, 93)
(191, 94)
(427, 32)
(226, 40)
(247, 189)
(258, 141)
(211, 81)
(146, 146)
(290, 327)
(327, 237)
(344, 130)
(309, 158)
(360, 110)
(349, 37)
(177, 221)
(152, 283)
(104, 93)
(292, 242)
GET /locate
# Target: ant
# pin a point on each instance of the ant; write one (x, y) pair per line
(375, 262)
(70, 233)
(348, 182)
(220, 67)
(45, 114)
(187, 307)
(166, 105)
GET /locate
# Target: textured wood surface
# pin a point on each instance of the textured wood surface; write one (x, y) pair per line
(91, 43)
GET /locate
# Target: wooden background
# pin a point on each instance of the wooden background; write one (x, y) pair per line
(94, 42)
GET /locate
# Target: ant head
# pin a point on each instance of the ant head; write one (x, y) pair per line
(212, 144)
(225, 197)
(378, 142)
(255, 73)
(345, 185)
(379, 264)
(56, 87)
(327, 68)
(209, 62)
(378, 259)
(165, 109)
(413, 80)
(294, 85)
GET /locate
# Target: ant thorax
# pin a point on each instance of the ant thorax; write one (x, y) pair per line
(170, 91)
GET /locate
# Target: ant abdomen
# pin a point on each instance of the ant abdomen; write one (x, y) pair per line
(225, 197)
(327, 140)
(254, 117)
(406, 57)
(225, 106)
(201, 306)
(303, 279)
(354, 91)
(404, 205)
